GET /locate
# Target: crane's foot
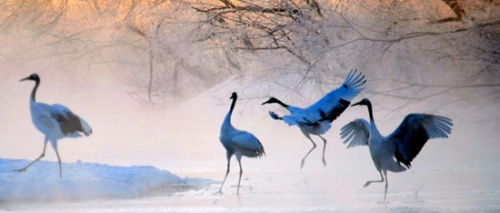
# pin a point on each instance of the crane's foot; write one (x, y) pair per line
(19, 170)
(218, 192)
(324, 162)
(302, 164)
(383, 202)
(366, 184)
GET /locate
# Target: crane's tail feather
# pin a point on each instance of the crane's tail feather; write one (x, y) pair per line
(87, 131)
(253, 153)
(395, 167)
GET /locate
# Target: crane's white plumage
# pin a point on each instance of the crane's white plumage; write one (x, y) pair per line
(237, 142)
(402, 146)
(54, 121)
(316, 119)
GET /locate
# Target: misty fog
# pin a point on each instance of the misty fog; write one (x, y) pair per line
(153, 80)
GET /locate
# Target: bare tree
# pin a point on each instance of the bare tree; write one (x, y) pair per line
(456, 8)
(185, 47)
(363, 33)
(265, 25)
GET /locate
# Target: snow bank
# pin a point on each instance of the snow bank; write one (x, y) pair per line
(83, 181)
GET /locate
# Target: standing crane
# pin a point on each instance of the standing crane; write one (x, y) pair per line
(316, 119)
(402, 146)
(54, 121)
(237, 142)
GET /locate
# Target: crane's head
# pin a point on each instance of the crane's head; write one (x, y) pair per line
(365, 102)
(234, 96)
(271, 101)
(32, 77)
(274, 100)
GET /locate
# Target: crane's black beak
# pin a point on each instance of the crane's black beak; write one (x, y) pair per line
(265, 103)
(24, 79)
(356, 104)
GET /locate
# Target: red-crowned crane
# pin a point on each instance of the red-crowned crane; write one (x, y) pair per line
(237, 142)
(402, 146)
(54, 121)
(316, 119)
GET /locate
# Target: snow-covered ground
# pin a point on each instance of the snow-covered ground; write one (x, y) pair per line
(84, 181)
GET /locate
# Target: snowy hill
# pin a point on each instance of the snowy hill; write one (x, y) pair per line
(84, 181)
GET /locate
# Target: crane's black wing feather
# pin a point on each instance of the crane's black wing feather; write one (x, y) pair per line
(414, 131)
(68, 121)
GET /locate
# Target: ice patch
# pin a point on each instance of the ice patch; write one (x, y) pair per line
(84, 181)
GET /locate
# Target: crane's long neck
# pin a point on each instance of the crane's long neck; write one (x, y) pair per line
(286, 106)
(33, 92)
(373, 126)
(282, 104)
(227, 120)
(370, 111)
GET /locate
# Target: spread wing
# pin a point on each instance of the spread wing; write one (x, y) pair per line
(414, 131)
(356, 133)
(335, 102)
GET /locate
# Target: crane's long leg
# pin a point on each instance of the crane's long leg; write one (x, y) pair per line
(227, 172)
(386, 185)
(40, 157)
(374, 181)
(53, 143)
(59, 161)
(241, 174)
(324, 148)
(304, 158)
